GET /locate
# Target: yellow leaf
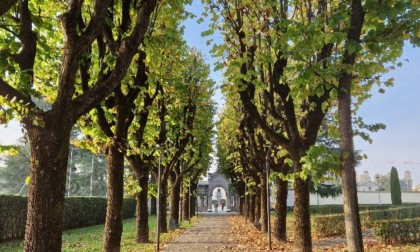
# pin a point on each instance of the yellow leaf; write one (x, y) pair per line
(27, 180)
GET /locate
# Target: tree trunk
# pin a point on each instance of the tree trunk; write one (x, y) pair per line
(348, 174)
(247, 205)
(241, 209)
(153, 200)
(301, 212)
(141, 169)
(193, 199)
(185, 207)
(162, 207)
(153, 205)
(263, 200)
(174, 203)
(49, 154)
(193, 206)
(257, 208)
(251, 207)
(351, 210)
(113, 222)
(281, 210)
(142, 219)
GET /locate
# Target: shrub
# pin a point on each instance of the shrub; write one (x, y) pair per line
(338, 209)
(363, 208)
(129, 210)
(12, 216)
(398, 231)
(83, 211)
(368, 218)
(326, 209)
(395, 187)
(329, 225)
(79, 212)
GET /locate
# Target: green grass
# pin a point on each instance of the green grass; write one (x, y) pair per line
(273, 214)
(91, 238)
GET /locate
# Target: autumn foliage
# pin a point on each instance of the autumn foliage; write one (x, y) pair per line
(250, 239)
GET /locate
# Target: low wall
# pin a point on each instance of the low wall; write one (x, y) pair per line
(363, 198)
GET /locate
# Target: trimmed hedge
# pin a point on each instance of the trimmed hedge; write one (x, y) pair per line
(329, 225)
(326, 209)
(79, 212)
(398, 231)
(12, 216)
(338, 209)
(368, 218)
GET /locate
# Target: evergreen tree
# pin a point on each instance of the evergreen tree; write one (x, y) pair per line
(395, 187)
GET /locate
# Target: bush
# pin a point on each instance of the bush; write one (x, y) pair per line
(395, 187)
(338, 209)
(326, 209)
(83, 211)
(12, 216)
(89, 211)
(368, 218)
(398, 231)
(329, 225)
(363, 208)
(79, 212)
(129, 210)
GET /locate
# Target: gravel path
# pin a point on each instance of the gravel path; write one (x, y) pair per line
(211, 233)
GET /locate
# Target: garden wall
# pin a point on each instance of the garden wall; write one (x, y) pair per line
(363, 198)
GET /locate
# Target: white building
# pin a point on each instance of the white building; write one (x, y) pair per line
(365, 184)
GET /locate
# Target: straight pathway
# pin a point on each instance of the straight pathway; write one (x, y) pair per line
(211, 233)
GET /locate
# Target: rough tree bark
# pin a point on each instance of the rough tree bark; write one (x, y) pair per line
(49, 153)
(257, 208)
(263, 203)
(251, 206)
(242, 203)
(194, 187)
(162, 207)
(281, 210)
(302, 216)
(348, 174)
(113, 222)
(185, 205)
(142, 218)
(174, 201)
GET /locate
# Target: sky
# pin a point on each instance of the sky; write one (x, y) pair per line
(398, 109)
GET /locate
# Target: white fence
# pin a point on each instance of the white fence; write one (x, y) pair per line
(363, 197)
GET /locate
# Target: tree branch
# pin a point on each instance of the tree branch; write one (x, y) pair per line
(127, 50)
(13, 95)
(5, 6)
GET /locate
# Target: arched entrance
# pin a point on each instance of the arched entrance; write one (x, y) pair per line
(216, 188)
(218, 198)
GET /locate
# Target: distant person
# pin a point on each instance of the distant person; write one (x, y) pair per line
(223, 204)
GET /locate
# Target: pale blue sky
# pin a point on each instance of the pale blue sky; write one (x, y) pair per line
(398, 108)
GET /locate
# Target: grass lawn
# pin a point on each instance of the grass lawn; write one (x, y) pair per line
(90, 238)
